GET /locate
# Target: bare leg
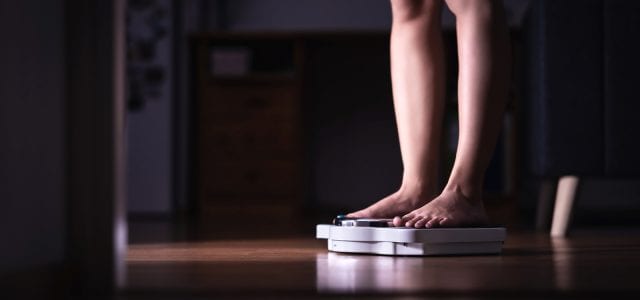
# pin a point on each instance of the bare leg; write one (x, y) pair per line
(483, 53)
(417, 73)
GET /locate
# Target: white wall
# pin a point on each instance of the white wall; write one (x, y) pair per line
(150, 129)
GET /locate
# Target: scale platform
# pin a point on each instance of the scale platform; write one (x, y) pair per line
(411, 241)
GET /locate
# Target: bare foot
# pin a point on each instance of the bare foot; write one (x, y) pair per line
(396, 204)
(450, 209)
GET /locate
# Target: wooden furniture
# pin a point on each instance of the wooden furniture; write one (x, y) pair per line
(247, 124)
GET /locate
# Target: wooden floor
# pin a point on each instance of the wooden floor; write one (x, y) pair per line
(590, 264)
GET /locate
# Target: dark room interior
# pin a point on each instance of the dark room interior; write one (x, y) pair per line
(170, 149)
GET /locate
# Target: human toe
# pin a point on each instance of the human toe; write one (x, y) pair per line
(421, 223)
(353, 215)
(412, 221)
(445, 222)
(434, 222)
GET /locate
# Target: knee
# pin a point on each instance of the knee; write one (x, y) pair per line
(482, 8)
(407, 10)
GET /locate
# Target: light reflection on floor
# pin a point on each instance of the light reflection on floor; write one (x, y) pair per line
(338, 272)
(349, 273)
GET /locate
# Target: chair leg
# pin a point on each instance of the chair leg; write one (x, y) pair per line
(546, 195)
(565, 197)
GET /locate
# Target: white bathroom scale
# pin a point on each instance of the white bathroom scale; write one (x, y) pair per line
(371, 239)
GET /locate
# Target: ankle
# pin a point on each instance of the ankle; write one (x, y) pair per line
(470, 191)
(418, 188)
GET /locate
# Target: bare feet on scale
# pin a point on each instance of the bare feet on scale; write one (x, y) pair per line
(450, 209)
(420, 209)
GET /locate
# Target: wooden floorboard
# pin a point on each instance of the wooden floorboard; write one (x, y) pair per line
(589, 264)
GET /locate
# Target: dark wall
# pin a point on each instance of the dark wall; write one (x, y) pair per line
(31, 133)
(351, 138)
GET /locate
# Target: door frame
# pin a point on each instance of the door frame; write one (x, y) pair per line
(95, 146)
